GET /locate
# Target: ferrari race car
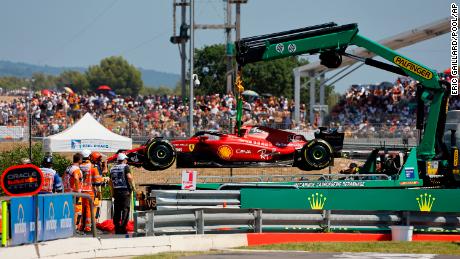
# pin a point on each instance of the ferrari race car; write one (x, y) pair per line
(256, 146)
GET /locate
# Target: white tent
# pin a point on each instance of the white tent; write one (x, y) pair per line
(87, 133)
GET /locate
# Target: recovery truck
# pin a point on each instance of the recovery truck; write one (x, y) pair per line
(430, 164)
(421, 179)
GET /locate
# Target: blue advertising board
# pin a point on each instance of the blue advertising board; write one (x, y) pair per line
(58, 214)
(55, 218)
(22, 221)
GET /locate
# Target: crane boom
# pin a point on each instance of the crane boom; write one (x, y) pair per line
(331, 42)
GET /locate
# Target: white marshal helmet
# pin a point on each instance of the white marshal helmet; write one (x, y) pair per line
(86, 153)
(122, 156)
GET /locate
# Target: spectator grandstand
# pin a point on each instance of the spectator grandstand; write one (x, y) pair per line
(383, 110)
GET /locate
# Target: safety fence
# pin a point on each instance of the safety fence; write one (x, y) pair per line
(231, 220)
(13, 133)
(52, 215)
(374, 134)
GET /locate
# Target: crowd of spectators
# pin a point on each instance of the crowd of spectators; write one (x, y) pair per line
(383, 110)
(143, 115)
(386, 109)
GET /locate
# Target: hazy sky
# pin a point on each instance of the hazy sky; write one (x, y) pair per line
(81, 33)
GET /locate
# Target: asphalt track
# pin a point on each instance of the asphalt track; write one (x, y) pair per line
(300, 254)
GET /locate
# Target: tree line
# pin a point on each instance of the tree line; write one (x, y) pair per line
(116, 72)
(274, 77)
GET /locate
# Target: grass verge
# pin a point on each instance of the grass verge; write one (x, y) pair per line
(451, 248)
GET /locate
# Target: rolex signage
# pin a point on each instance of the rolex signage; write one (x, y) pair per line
(317, 201)
(424, 200)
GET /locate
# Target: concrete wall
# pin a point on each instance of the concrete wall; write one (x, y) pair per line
(111, 247)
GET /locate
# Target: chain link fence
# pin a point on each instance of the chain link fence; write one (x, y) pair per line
(141, 130)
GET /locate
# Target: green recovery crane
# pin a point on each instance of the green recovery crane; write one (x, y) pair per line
(331, 42)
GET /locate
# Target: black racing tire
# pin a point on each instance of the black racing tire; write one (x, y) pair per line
(316, 155)
(149, 167)
(161, 154)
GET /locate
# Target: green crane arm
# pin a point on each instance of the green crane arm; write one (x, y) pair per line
(331, 42)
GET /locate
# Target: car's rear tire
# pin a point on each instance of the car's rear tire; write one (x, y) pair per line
(316, 155)
(160, 154)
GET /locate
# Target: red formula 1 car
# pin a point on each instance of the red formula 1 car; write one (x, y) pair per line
(256, 146)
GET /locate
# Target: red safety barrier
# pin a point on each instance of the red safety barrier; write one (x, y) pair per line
(279, 238)
(108, 226)
(436, 237)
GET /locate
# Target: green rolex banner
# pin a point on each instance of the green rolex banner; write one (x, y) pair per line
(434, 200)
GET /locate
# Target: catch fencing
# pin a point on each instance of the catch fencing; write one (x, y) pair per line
(355, 135)
(373, 134)
(13, 133)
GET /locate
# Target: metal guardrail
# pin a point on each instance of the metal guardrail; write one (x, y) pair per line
(211, 211)
(200, 221)
(221, 179)
(374, 142)
(251, 179)
(177, 200)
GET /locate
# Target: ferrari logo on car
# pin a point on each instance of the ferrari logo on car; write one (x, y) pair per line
(191, 147)
(225, 152)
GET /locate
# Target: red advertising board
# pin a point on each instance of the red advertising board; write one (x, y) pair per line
(20, 180)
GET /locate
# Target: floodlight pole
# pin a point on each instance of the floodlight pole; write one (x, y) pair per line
(29, 108)
(192, 46)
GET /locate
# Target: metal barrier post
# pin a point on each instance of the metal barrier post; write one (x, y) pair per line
(258, 221)
(199, 221)
(75, 200)
(93, 218)
(136, 227)
(327, 220)
(91, 206)
(149, 224)
(406, 216)
(5, 223)
(37, 213)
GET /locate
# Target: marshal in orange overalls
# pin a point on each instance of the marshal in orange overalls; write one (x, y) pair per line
(70, 174)
(90, 173)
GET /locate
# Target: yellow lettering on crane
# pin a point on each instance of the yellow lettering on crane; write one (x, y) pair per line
(456, 157)
(412, 67)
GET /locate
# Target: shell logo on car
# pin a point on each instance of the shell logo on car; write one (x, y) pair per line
(225, 152)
